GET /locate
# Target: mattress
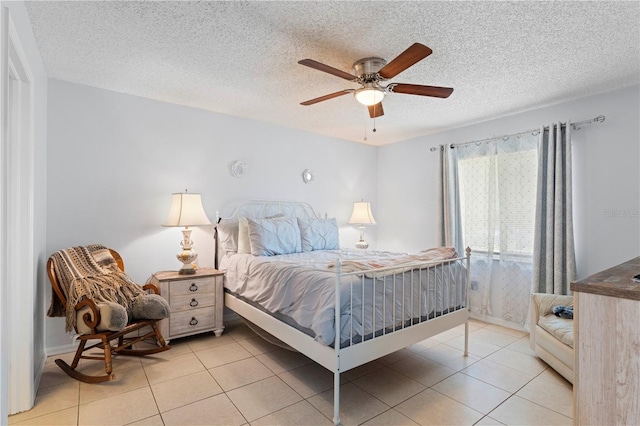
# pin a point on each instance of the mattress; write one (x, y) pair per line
(299, 288)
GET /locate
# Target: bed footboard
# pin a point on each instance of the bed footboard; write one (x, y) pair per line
(381, 301)
(394, 307)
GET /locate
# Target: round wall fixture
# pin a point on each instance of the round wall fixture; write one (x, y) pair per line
(237, 169)
(307, 176)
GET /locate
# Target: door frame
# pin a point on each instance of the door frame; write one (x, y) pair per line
(19, 270)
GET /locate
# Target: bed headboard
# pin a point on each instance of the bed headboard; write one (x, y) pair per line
(257, 209)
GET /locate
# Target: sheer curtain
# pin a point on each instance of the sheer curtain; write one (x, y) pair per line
(554, 252)
(488, 203)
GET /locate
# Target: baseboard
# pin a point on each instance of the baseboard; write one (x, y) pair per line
(57, 350)
(498, 321)
(38, 374)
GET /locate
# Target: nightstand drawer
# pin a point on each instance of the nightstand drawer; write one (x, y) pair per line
(193, 286)
(192, 302)
(191, 321)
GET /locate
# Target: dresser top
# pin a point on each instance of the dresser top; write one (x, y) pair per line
(613, 282)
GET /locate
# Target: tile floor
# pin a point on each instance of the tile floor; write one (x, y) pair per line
(240, 379)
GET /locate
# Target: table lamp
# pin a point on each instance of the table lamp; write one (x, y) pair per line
(186, 210)
(362, 216)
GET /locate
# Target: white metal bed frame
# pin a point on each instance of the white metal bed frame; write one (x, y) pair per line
(337, 359)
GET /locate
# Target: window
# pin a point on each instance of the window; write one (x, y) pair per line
(497, 201)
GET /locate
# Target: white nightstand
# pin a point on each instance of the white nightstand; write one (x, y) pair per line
(196, 301)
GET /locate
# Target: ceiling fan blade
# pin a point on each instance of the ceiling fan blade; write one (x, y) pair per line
(417, 89)
(415, 53)
(376, 110)
(326, 68)
(326, 97)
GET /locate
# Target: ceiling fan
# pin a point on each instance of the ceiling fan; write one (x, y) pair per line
(370, 72)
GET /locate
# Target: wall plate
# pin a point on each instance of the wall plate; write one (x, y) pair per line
(237, 169)
(307, 176)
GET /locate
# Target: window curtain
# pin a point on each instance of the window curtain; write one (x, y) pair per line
(487, 200)
(554, 251)
(451, 232)
(449, 221)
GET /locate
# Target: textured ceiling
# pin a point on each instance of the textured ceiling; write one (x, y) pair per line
(240, 58)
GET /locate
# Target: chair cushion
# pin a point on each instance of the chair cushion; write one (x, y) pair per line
(113, 317)
(560, 328)
(150, 306)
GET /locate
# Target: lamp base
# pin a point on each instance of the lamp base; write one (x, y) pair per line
(187, 257)
(362, 245)
(186, 271)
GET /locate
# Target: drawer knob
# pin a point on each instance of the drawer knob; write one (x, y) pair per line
(193, 303)
(193, 287)
(193, 321)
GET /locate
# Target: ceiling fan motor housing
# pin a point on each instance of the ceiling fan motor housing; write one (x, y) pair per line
(367, 69)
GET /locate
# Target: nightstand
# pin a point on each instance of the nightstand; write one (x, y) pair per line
(196, 302)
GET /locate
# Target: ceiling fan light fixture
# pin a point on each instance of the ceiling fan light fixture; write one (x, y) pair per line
(369, 95)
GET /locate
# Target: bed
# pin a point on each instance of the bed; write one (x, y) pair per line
(285, 273)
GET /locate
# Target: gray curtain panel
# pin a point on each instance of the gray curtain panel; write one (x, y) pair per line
(449, 221)
(554, 262)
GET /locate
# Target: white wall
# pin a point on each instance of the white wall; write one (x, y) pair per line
(114, 160)
(606, 179)
(606, 183)
(35, 310)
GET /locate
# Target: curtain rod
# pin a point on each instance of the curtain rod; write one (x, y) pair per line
(575, 126)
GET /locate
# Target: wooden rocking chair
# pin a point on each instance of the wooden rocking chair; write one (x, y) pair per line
(124, 344)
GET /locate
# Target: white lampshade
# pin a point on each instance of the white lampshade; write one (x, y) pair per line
(362, 214)
(186, 210)
(369, 95)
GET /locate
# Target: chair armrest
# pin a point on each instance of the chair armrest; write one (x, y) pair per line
(541, 305)
(95, 313)
(151, 287)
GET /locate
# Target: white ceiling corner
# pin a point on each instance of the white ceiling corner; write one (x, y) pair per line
(240, 58)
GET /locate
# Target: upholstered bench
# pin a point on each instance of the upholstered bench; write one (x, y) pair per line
(551, 337)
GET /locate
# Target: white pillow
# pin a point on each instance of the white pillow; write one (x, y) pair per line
(244, 246)
(319, 234)
(228, 236)
(270, 237)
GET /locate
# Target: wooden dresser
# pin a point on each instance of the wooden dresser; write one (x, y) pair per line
(606, 388)
(196, 302)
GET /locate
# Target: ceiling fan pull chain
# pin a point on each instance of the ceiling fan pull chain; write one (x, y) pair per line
(365, 129)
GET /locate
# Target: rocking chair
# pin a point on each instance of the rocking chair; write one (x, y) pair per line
(124, 338)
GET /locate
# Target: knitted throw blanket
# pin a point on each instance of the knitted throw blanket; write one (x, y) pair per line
(92, 272)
